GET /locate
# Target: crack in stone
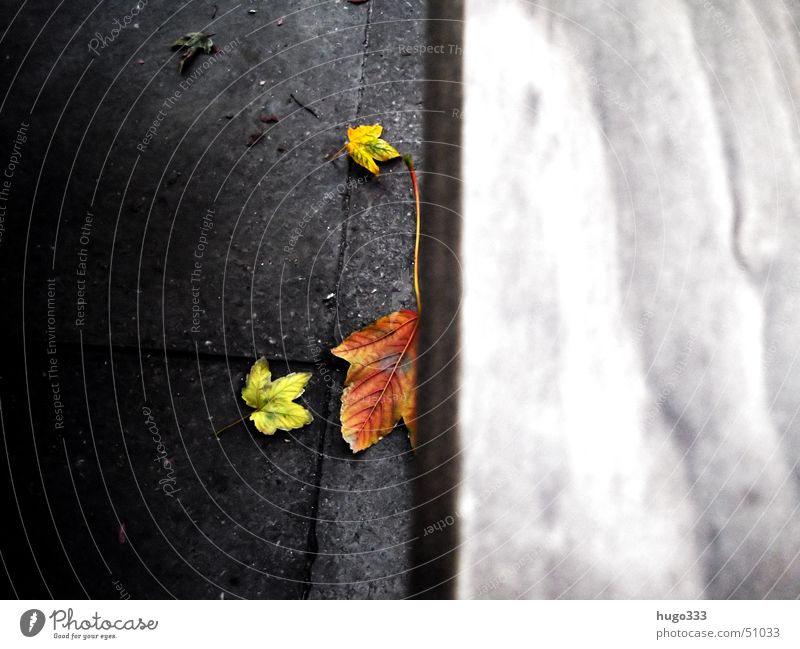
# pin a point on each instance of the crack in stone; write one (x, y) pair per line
(312, 545)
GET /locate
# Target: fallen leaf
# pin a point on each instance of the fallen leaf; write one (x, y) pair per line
(357, 2)
(303, 106)
(365, 146)
(268, 119)
(273, 401)
(122, 535)
(380, 383)
(193, 43)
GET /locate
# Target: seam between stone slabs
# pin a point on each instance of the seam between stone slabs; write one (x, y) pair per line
(179, 352)
(312, 545)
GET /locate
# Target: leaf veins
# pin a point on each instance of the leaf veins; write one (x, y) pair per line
(380, 387)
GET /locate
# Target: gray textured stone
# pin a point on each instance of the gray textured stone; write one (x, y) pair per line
(204, 517)
(277, 205)
(365, 509)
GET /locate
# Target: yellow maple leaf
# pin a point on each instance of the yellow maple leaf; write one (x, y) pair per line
(273, 401)
(365, 146)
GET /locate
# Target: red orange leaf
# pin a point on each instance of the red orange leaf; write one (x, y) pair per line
(380, 383)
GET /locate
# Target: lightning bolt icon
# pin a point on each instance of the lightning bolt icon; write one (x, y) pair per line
(32, 621)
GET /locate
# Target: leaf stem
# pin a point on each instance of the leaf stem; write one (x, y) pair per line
(410, 164)
(333, 156)
(231, 425)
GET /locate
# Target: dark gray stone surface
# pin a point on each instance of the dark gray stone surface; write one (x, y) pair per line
(639, 258)
(290, 253)
(203, 517)
(255, 286)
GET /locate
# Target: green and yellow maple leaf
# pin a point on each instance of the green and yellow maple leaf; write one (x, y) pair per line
(365, 146)
(273, 401)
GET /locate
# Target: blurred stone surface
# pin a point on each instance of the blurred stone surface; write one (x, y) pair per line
(630, 390)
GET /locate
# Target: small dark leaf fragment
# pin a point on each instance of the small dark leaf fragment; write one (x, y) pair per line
(193, 43)
(255, 138)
